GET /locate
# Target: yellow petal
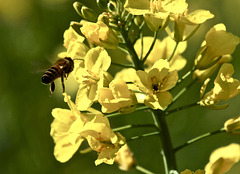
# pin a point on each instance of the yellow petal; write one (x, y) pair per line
(204, 86)
(137, 8)
(119, 89)
(143, 82)
(159, 101)
(170, 81)
(197, 17)
(83, 102)
(221, 42)
(97, 60)
(222, 159)
(226, 87)
(64, 150)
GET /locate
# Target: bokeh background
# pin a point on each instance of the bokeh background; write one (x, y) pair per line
(30, 36)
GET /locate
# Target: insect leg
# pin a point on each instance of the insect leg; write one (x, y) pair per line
(52, 88)
(62, 80)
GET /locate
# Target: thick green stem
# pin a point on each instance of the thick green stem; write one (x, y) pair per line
(194, 140)
(166, 141)
(137, 64)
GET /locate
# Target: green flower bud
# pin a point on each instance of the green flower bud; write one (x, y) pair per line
(85, 12)
(138, 20)
(104, 18)
(102, 3)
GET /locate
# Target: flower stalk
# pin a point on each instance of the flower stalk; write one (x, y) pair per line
(166, 140)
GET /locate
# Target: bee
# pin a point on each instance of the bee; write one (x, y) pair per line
(62, 68)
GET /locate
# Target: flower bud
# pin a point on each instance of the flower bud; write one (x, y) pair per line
(104, 17)
(85, 12)
(138, 20)
(100, 34)
(102, 3)
(233, 125)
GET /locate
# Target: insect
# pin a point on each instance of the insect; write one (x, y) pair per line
(61, 68)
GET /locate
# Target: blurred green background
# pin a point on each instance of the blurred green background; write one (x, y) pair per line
(31, 31)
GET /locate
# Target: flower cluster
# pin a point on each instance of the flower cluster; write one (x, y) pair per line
(146, 77)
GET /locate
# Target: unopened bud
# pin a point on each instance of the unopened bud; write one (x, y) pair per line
(104, 17)
(232, 125)
(85, 12)
(111, 6)
(103, 4)
(138, 20)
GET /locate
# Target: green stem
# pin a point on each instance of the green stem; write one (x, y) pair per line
(143, 170)
(183, 90)
(142, 108)
(139, 32)
(121, 65)
(117, 113)
(143, 135)
(194, 140)
(134, 126)
(174, 50)
(166, 141)
(186, 75)
(141, 53)
(151, 47)
(131, 50)
(181, 108)
(193, 31)
(113, 114)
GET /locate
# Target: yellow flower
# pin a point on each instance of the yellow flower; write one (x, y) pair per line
(222, 159)
(92, 77)
(60, 127)
(155, 12)
(73, 42)
(116, 97)
(217, 43)
(190, 172)
(100, 34)
(225, 87)
(162, 50)
(70, 128)
(128, 75)
(182, 20)
(125, 158)
(156, 83)
(233, 125)
(102, 139)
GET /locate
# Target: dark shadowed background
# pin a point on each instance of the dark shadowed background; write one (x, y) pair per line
(31, 32)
